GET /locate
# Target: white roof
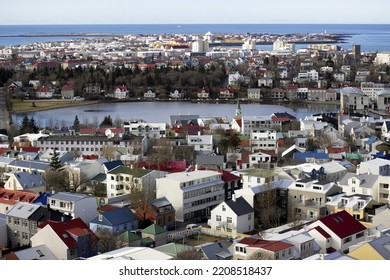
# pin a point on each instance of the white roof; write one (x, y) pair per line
(23, 210)
(190, 176)
(133, 253)
(40, 252)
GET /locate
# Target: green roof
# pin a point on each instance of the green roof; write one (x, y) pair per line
(138, 172)
(354, 156)
(154, 229)
(128, 237)
(173, 248)
(147, 241)
(101, 177)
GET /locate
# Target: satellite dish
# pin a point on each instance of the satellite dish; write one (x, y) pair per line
(108, 133)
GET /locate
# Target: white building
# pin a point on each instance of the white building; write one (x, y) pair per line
(142, 128)
(74, 204)
(382, 58)
(125, 180)
(149, 94)
(353, 99)
(337, 231)
(263, 139)
(201, 142)
(232, 216)
(254, 93)
(376, 166)
(383, 100)
(192, 194)
(200, 46)
(371, 89)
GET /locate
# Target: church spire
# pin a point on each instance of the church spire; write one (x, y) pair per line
(238, 110)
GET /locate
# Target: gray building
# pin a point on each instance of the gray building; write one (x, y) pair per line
(92, 144)
(23, 220)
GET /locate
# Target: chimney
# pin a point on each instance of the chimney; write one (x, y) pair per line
(234, 198)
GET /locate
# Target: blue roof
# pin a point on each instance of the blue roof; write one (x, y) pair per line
(371, 140)
(303, 156)
(160, 202)
(42, 198)
(110, 165)
(387, 125)
(115, 217)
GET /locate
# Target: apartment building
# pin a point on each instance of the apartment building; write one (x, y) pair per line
(307, 198)
(192, 194)
(125, 180)
(353, 100)
(92, 144)
(263, 139)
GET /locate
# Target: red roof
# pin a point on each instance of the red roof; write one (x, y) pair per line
(239, 122)
(321, 231)
(270, 245)
(30, 149)
(337, 150)
(122, 88)
(100, 130)
(342, 224)
(11, 197)
(229, 177)
(43, 89)
(168, 166)
(65, 229)
(108, 207)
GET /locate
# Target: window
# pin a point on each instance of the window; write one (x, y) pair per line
(218, 218)
(347, 240)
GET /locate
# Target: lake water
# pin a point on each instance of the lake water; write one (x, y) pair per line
(160, 111)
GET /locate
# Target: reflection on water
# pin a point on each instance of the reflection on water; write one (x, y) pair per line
(160, 111)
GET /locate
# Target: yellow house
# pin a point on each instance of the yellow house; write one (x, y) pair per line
(378, 249)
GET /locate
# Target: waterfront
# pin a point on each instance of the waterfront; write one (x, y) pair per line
(160, 111)
(372, 37)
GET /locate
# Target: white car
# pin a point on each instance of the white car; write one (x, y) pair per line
(193, 227)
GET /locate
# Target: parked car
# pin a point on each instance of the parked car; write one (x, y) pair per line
(193, 227)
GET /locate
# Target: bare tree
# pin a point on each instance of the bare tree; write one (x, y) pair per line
(139, 201)
(268, 208)
(76, 179)
(108, 240)
(98, 189)
(260, 255)
(189, 254)
(118, 122)
(108, 152)
(161, 152)
(184, 153)
(322, 142)
(56, 180)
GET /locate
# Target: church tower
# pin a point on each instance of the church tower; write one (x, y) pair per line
(238, 110)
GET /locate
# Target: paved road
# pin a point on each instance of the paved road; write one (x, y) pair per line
(4, 115)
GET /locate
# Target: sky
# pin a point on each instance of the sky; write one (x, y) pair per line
(196, 11)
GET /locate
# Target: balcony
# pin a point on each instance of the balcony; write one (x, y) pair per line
(308, 203)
